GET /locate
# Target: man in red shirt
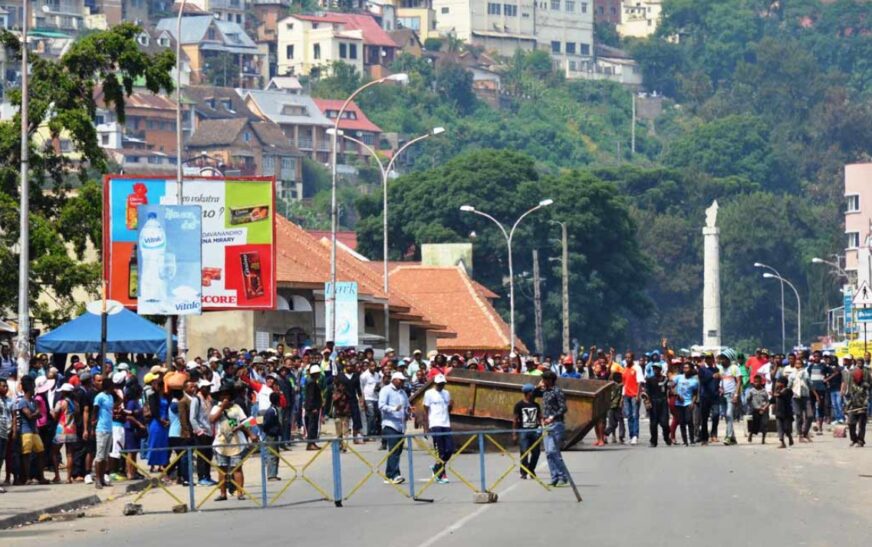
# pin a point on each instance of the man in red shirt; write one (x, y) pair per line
(437, 367)
(756, 361)
(633, 377)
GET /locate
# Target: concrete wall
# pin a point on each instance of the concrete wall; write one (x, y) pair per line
(218, 329)
(446, 254)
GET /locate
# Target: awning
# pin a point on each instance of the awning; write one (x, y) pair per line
(126, 332)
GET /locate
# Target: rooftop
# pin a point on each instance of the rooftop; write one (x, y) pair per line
(353, 118)
(217, 102)
(286, 108)
(373, 33)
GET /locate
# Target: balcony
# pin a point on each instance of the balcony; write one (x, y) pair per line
(304, 143)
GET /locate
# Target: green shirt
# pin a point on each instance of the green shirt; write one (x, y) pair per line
(745, 375)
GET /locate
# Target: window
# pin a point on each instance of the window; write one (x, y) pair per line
(343, 50)
(585, 49)
(246, 136)
(444, 10)
(570, 48)
(572, 65)
(289, 52)
(154, 160)
(584, 7)
(269, 165)
(493, 9)
(163, 41)
(289, 164)
(555, 47)
(555, 5)
(570, 5)
(368, 138)
(289, 26)
(104, 139)
(352, 51)
(316, 51)
(100, 119)
(143, 39)
(510, 10)
(853, 203)
(413, 23)
(853, 240)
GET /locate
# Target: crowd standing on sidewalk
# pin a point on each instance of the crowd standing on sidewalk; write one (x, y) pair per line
(87, 421)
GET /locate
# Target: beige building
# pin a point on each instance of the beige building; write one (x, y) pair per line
(639, 18)
(858, 211)
(564, 28)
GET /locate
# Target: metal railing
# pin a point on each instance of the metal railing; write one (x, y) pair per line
(343, 456)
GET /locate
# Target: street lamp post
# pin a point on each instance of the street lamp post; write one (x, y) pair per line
(837, 268)
(400, 78)
(783, 330)
(768, 275)
(23, 342)
(385, 172)
(509, 235)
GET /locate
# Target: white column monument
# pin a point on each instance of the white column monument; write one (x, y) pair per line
(711, 285)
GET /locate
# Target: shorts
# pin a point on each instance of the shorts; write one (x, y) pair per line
(31, 443)
(228, 462)
(104, 445)
(117, 441)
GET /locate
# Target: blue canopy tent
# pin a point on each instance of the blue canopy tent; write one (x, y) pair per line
(126, 331)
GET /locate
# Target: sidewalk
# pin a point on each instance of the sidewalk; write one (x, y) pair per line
(22, 505)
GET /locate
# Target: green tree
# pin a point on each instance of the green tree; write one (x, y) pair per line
(454, 85)
(64, 220)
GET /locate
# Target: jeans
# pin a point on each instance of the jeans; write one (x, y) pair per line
(659, 414)
(857, 427)
(272, 461)
(356, 423)
(685, 422)
(804, 415)
(444, 445)
(837, 406)
(616, 422)
(313, 424)
(631, 411)
(204, 456)
(708, 408)
(392, 468)
(372, 419)
(553, 441)
(728, 409)
(526, 439)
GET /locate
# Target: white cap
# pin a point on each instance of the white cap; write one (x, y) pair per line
(214, 359)
(314, 369)
(192, 365)
(66, 387)
(119, 377)
(122, 366)
(440, 379)
(389, 350)
(203, 383)
(398, 376)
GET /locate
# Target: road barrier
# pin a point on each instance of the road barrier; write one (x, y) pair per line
(344, 459)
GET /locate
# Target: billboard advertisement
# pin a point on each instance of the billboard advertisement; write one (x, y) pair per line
(346, 312)
(237, 249)
(168, 277)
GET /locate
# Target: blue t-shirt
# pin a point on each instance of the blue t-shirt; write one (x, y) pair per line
(574, 374)
(103, 404)
(685, 388)
(28, 425)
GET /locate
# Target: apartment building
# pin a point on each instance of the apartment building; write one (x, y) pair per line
(299, 117)
(858, 212)
(639, 18)
(227, 10)
(353, 123)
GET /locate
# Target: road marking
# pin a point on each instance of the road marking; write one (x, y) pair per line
(465, 520)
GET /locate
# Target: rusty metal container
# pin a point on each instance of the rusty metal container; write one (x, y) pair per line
(486, 400)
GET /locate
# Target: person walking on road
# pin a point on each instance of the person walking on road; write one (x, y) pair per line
(686, 389)
(656, 391)
(528, 418)
(312, 404)
(633, 378)
(856, 398)
(554, 412)
(782, 399)
(393, 403)
(437, 419)
(758, 402)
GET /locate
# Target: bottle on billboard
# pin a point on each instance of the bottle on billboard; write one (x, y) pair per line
(152, 246)
(138, 197)
(132, 275)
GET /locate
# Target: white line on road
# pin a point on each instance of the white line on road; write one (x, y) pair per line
(465, 520)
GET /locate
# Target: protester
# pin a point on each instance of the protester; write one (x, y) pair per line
(232, 432)
(782, 400)
(437, 421)
(313, 405)
(554, 413)
(656, 389)
(393, 403)
(528, 418)
(758, 402)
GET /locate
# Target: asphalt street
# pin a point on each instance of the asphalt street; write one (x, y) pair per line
(813, 494)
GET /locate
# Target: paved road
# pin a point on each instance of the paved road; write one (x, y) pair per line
(810, 495)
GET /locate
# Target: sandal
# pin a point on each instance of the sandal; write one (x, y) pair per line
(240, 497)
(221, 498)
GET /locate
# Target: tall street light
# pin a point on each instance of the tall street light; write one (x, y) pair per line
(385, 172)
(509, 235)
(183, 331)
(783, 330)
(837, 268)
(23, 342)
(400, 78)
(768, 275)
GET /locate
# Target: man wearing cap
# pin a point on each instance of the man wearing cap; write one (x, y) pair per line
(416, 364)
(394, 407)
(834, 387)
(312, 404)
(554, 413)
(656, 391)
(528, 418)
(437, 419)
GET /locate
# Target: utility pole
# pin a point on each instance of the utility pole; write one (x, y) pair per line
(23, 343)
(633, 128)
(565, 264)
(537, 303)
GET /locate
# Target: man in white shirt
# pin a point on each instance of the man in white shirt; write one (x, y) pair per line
(370, 381)
(437, 420)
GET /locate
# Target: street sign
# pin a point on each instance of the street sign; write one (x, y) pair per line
(864, 315)
(863, 296)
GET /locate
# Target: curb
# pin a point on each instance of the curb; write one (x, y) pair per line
(29, 517)
(32, 516)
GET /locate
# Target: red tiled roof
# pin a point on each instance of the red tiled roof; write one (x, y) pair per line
(347, 238)
(448, 293)
(362, 123)
(373, 34)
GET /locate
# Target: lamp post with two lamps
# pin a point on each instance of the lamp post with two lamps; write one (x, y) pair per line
(509, 236)
(769, 275)
(385, 173)
(783, 329)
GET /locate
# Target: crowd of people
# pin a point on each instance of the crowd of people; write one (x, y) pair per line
(86, 420)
